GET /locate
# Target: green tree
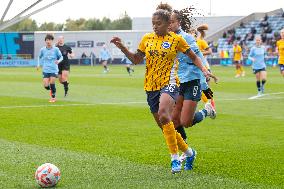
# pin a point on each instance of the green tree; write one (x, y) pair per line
(47, 26)
(123, 23)
(24, 25)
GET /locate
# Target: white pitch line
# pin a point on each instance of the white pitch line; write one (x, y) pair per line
(65, 105)
(246, 99)
(123, 103)
(255, 97)
(268, 94)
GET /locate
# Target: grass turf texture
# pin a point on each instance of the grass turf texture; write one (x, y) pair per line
(111, 140)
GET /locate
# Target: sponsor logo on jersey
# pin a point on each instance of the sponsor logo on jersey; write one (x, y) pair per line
(166, 45)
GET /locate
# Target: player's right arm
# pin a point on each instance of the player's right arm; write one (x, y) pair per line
(38, 59)
(135, 58)
(251, 55)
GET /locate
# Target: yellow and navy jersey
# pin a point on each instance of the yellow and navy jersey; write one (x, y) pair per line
(237, 50)
(280, 47)
(160, 52)
(203, 46)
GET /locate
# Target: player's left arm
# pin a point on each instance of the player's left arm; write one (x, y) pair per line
(197, 62)
(207, 49)
(71, 54)
(185, 48)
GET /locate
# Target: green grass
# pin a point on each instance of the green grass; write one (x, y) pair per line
(103, 135)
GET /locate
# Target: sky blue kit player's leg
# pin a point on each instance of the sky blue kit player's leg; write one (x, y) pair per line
(129, 67)
(49, 57)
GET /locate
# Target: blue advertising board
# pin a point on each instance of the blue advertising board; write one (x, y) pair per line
(17, 63)
(17, 44)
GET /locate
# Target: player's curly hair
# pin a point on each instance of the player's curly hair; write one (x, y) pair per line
(164, 14)
(201, 29)
(185, 17)
(165, 6)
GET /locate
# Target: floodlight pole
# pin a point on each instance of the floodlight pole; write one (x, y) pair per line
(6, 10)
(210, 13)
(19, 19)
(24, 11)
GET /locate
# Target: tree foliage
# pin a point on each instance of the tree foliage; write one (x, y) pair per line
(124, 22)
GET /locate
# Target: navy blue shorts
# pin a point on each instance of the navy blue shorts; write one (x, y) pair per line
(281, 67)
(48, 75)
(255, 71)
(191, 90)
(153, 97)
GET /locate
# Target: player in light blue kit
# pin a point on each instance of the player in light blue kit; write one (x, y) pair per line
(104, 58)
(256, 55)
(129, 65)
(184, 114)
(49, 57)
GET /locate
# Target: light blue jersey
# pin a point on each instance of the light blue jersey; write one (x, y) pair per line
(47, 58)
(104, 55)
(187, 71)
(127, 61)
(257, 53)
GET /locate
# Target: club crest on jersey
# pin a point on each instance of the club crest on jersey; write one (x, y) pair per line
(166, 45)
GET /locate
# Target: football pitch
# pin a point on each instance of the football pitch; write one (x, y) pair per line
(103, 135)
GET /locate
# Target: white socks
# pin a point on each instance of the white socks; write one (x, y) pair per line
(175, 157)
(189, 152)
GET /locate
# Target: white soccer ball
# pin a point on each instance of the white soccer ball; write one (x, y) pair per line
(47, 175)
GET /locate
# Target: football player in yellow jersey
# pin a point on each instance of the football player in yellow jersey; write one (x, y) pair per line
(280, 52)
(237, 58)
(161, 82)
(202, 44)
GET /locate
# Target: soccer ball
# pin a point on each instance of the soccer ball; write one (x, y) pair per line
(47, 175)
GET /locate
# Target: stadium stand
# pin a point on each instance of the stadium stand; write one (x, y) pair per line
(267, 27)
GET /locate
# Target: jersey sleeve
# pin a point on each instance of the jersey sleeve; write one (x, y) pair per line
(58, 53)
(277, 44)
(183, 46)
(251, 53)
(204, 44)
(40, 53)
(69, 50)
